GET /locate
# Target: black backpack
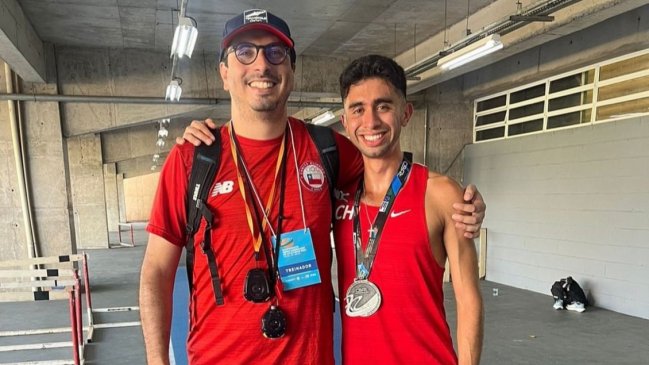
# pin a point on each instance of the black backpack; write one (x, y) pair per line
(204, 168)
(574, 292)
(568, 290)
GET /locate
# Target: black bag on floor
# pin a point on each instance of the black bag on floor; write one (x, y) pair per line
(558, 291)
(574, 292)
(569, 291)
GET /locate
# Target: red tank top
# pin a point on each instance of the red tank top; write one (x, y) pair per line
(410, 326)
(231, 333)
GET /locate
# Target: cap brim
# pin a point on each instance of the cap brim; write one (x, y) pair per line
(260, 26)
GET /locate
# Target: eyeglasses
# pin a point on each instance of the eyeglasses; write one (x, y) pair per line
(246, 53)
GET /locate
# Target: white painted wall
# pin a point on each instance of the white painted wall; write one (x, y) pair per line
(570, 202)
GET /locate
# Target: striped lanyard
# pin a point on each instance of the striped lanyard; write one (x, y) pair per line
(241, 166)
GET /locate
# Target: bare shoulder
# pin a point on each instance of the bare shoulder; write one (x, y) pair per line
(442, 189)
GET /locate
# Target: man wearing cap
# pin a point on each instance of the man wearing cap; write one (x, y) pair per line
(266, 169)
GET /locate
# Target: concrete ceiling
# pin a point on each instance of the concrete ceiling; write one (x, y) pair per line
(334, 27)
(408, 30)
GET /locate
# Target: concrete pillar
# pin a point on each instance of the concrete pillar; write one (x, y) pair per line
(413, 136)
(450, 127)
(121, 198)
(112, 204)
(88, 196)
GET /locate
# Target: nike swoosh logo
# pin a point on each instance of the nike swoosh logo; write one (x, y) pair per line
(396, 214)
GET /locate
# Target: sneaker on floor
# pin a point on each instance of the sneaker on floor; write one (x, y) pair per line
(576, 306)
(558, 304)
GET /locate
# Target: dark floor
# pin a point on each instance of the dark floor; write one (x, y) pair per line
(521, 327)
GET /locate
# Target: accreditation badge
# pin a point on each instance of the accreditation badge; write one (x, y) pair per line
(297, 263)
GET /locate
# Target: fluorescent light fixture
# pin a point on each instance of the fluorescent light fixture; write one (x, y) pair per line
(323, 118)
(471, 52)
(173, 91)
(184, 37)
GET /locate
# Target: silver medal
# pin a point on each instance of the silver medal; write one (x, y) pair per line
(363, 299)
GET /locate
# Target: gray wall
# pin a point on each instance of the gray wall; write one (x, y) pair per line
(570, 202)
(440, 127)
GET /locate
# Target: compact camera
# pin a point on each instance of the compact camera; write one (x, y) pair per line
(273, 323)
(257, 287)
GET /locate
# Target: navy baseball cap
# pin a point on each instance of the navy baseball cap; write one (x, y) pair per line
(257, 19)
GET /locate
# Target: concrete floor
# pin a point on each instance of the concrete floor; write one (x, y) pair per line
(520, 326)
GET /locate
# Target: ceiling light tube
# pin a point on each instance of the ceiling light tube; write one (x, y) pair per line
(471, 52)
(184, 38)
(173, 91)
(323, 118)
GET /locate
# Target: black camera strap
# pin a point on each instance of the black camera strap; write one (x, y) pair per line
(364, 261)
(206, 246)
(272, 256)
(205, 165)
(264, 244)
(243, 172)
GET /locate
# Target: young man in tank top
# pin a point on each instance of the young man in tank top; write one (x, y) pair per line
(393, 234)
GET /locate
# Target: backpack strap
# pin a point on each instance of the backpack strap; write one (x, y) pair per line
(324, 139)
(204, 168)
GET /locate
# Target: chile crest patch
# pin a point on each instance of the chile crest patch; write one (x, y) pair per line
(312, 176)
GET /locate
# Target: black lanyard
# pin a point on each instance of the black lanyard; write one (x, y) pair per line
(364, 261)
(272, 256)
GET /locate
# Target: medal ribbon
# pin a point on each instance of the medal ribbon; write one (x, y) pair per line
(257, 239)
(364, 261)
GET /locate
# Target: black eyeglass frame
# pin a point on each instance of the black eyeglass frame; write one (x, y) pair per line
(266, 47)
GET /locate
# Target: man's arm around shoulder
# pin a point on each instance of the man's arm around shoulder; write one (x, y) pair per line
(441, 192)
(156, 296)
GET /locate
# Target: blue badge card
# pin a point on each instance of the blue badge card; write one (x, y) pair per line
(297, 263)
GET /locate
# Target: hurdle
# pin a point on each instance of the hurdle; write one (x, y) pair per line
(60, 280)
(130, 230)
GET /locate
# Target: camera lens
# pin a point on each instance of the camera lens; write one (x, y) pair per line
(273, 323)
(257, 287)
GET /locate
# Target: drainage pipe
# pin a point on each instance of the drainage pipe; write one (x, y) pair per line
(99, 99)
(103, 99)
(20, 168)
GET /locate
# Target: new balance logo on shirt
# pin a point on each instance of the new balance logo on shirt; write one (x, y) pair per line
(222, 188)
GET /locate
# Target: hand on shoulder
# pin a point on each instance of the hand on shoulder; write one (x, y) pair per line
(198, 132)
(465, 207)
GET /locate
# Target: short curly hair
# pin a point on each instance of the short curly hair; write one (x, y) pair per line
(373, 66)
